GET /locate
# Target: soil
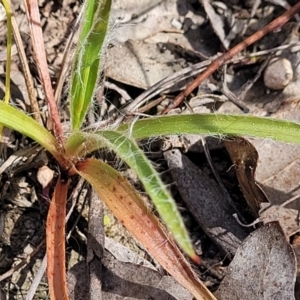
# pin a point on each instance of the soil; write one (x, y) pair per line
(23, 201)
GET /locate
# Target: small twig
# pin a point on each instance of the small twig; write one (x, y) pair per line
(247, 225)
(22, 263)
(277, 23)
(238, 100)
(65, 61)
(289, 201)
(118, 89)
(231, 96)
(248, 85)
(264, 52)
(162, 86)
(35, 110)
(75, 193)
(37, 279)
(151, 104)
(74, 196)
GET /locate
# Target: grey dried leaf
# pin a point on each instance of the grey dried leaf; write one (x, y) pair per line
(205, 201)
(140, 64)
(288, 218)
(278, 170)
(122, 280)
(132, 281)
(264, 267)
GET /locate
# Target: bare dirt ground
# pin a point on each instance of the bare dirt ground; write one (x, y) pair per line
(150, 41)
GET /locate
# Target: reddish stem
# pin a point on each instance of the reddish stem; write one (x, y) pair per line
(33, 16)
(277, 23)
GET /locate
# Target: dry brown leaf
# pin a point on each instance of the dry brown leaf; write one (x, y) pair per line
(278, 170)
(244, 157)
(288, 218)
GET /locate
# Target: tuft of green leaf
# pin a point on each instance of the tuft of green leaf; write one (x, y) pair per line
(87, 59)
(130, 153)
(17, 120)
(129, 207)
(208, 124)
(214, 125)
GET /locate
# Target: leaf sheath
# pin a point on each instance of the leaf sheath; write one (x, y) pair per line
(55, 242)
(128, 206)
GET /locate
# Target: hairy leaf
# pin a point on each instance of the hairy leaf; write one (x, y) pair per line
(55, 242)
(128, 151)
(214, 124)
(127, 205)
(19, 121)
(87, 58)
(208, 124)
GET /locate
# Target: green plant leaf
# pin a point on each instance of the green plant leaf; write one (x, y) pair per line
(19, 121)
(209, 124)
(129, 152)
(128, 206)
(87, 59)
(214, 125)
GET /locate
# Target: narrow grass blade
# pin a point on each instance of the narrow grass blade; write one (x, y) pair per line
(8, 12)
(128, 151)
(7, 8)
(55, 242)
(127, 205)
(214, 125)
(19, 121)
(87, 60)
(209, 124)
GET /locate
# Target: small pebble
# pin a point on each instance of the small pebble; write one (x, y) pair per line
(177, 24)
(278, 74)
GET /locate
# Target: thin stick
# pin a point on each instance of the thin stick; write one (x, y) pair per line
(23, 263)
(35, 110)
(9, 43)
(65, 66)
(277, 23)
(8, 61)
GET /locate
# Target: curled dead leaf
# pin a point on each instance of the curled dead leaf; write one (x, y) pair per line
(44, 176)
